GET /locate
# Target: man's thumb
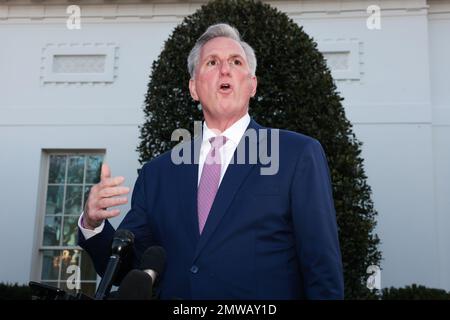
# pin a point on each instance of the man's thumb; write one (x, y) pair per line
(106, 172)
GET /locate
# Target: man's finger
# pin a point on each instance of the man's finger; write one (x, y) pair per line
(105, 172)
(113, 191)
(111, 202)
(104, 214)
(112, 182)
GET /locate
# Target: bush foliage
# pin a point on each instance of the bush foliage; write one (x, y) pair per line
(414, 292)
(9, 291)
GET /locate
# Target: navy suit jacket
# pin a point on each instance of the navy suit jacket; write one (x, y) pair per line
(266, 237)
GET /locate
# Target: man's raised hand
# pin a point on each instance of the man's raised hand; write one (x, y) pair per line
(102, 196)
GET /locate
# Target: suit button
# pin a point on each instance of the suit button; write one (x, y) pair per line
(194, 269)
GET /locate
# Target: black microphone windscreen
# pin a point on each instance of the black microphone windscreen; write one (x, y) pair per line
(137, 285)
(154, 258)
(124, 234)
(122, 242)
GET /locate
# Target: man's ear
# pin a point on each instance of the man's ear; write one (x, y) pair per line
(253, 84)
(193, 90)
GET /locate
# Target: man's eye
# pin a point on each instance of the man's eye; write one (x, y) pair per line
(237, 62)
(211, 63)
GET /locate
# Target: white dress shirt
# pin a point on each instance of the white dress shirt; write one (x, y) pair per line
(233, 134)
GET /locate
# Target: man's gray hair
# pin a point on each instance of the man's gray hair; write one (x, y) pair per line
(220, 30)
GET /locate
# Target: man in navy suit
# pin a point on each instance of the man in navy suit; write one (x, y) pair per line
(232, 227)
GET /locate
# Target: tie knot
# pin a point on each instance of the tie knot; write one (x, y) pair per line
(217, 142)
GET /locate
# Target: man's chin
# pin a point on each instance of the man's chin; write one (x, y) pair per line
(227, 109)
(229, 112)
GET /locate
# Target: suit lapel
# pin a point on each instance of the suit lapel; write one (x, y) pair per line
(234, 176)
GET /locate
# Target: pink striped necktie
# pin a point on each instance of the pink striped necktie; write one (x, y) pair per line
(209, 181)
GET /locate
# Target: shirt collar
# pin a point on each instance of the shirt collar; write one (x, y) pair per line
(233, 133)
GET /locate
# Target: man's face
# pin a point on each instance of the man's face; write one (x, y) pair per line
(223, 82)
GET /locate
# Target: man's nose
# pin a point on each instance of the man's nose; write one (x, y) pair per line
(224, 68)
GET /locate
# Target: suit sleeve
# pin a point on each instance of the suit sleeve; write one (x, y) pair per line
(137, 218)
(99, 246)
(314, 219)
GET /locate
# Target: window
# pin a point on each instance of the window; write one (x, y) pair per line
(69, 179)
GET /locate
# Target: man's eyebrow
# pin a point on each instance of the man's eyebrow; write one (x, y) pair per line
(215, 55)
(237, 55)
(212, 55)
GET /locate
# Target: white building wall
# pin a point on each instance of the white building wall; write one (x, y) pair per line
(439, 31)
(398, 99)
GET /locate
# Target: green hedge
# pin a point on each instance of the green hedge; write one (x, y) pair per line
(9, 291)
(414, 292)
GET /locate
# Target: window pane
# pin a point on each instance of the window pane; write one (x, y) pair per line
(93, 168)
(52, 231)
(55, 195)
(50, 265)
(87, 189)
(75, 171)
(87, 267)
(57, 169)
(73, 200)
(70, 229)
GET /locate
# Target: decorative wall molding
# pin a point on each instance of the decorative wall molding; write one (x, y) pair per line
(304, 4)
(438, 6)
(439, 10)
(26, 11)
(344, 58)
(72, 63)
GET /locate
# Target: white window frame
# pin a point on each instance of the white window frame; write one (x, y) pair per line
(38, 247)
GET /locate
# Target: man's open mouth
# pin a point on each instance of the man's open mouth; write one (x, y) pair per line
(225, 87)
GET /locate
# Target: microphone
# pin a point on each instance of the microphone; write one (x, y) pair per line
(153, 262)
(121, 245)
(138, 284)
